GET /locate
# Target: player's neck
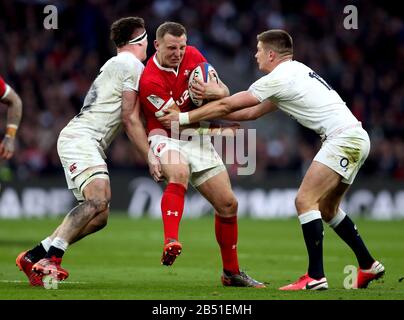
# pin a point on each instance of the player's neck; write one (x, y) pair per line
(281, 60)
(120, 50)
(160, 62)
(123, 49)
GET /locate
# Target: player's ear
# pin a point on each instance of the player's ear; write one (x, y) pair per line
(271, 55)
(156, 44)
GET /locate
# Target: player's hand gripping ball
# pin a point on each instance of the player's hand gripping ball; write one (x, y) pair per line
(205, 73)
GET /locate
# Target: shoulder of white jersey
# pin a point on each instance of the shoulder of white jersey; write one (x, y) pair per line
(284, 71)
(127, 57)
(124, 61)
(298, 64)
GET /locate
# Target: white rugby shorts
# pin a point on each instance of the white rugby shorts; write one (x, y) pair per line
(77, 155)
(202, 158)
(345, 152)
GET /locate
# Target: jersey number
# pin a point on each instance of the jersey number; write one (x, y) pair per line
(316, 76)
(183, 98)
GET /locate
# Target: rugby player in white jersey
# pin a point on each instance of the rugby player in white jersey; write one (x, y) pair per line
(111, 102)
(297, 90)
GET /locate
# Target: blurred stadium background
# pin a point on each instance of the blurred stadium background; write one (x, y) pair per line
(53, 69)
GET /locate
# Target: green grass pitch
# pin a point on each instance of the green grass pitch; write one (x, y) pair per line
(123, 261)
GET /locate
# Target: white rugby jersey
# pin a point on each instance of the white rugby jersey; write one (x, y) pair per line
(305, 96)
(100, 116)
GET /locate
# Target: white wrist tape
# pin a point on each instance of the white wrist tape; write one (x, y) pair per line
(183, 118)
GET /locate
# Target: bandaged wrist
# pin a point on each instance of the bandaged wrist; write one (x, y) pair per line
(183, 118)
(11, 130)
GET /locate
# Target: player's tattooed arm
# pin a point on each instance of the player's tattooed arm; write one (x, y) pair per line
(132, 122)
(14, 112)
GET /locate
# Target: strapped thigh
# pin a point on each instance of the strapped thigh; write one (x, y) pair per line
(84, 178)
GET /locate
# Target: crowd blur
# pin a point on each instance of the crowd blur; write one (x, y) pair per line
(53, 69)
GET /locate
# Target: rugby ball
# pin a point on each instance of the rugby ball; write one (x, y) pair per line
(201, 72)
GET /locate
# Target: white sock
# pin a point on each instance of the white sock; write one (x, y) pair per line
(334, 222)
(60, 243)
(46, 243)
(309, 216)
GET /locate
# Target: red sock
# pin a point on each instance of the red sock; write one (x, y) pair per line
(226, 236)
(172, 206)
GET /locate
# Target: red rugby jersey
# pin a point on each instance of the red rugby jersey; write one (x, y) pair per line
(160, 87)
(3, 88)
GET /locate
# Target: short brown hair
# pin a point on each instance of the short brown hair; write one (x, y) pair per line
(123, 29)
(277, 40)
(174, 28)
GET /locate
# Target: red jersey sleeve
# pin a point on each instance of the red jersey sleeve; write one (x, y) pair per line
(154, 95)
(197, 56)
(3, 88)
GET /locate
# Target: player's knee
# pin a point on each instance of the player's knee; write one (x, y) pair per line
(97, 195)
(303, 203)
(180, 176)
(99, 203)
(228, 207)
(299, 202)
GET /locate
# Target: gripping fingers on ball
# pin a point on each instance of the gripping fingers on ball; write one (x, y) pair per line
(197, 88)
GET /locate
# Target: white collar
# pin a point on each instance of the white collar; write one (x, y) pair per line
(129, 54)
(164, 68)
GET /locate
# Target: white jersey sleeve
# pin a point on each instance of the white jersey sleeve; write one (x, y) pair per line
(100, 116)
(266, 87)
(304, 95)
(131, 73)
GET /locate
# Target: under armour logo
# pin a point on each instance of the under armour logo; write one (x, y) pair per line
(169, 213)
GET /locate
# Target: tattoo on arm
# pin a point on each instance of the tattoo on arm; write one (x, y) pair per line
(14, 112)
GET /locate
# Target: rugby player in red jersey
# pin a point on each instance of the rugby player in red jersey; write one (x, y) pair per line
(164, 84)
(14, 113)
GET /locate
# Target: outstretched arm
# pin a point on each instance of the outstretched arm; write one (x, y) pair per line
(212, 110)
(136, 132)
(252, 113)
(14, 114)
